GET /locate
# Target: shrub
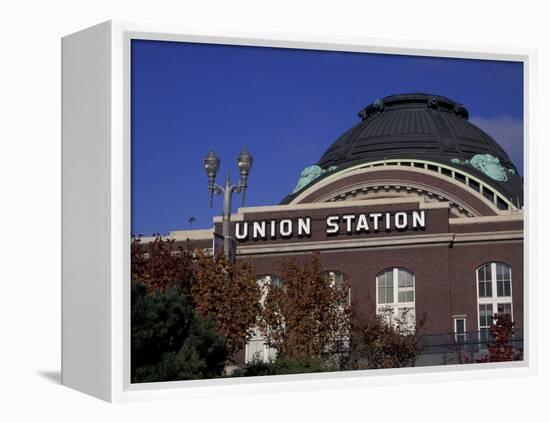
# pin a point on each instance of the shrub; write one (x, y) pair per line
(376, 344)
(501, 347)
(284, 366)
(169, 340)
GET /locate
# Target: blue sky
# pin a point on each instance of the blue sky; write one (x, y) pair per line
(287, 106)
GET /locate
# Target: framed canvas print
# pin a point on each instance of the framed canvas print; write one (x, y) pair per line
(253, 212)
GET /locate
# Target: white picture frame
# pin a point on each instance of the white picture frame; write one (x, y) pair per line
(96, 213)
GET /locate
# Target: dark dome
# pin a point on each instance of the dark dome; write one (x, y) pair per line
(420, 126)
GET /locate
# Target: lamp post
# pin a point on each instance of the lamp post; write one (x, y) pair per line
(211, 166)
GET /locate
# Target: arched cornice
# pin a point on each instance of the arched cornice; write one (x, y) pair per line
(380, 188)
(442, 185)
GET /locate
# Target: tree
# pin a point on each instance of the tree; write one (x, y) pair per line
(170, 341)
(215, 286)
(228, 291)
(162, 265)
(307, 316)
(500, 348)
(379, 344)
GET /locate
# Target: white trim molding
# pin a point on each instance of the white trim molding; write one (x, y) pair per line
(406, 165)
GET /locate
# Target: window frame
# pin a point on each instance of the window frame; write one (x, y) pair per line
(266, 353)
(396, 306)
(494, 300)
(265, 285)
(464, 334)
(328, 272)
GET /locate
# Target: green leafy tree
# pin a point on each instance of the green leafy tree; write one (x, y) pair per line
(170, 341)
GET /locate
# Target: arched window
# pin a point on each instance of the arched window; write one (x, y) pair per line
(494, 294)
(395, 297)
(276, 281)
(336, 281)
(265, 282)
(270, 280)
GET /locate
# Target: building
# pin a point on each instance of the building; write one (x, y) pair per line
(417, 207)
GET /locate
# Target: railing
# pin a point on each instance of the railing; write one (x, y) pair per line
(442, 349)
(451, 348)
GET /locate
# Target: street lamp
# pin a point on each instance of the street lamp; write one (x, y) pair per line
(211, 166)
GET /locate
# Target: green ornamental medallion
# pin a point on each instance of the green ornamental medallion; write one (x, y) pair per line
(309, 174)
(488, 165)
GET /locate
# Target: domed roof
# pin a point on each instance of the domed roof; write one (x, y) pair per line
(427, 127)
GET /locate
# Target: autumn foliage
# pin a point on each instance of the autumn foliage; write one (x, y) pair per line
(161, 265)
(377, 344)
(229, 292)
(307, 316)
(500, 348)
(218, 288)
